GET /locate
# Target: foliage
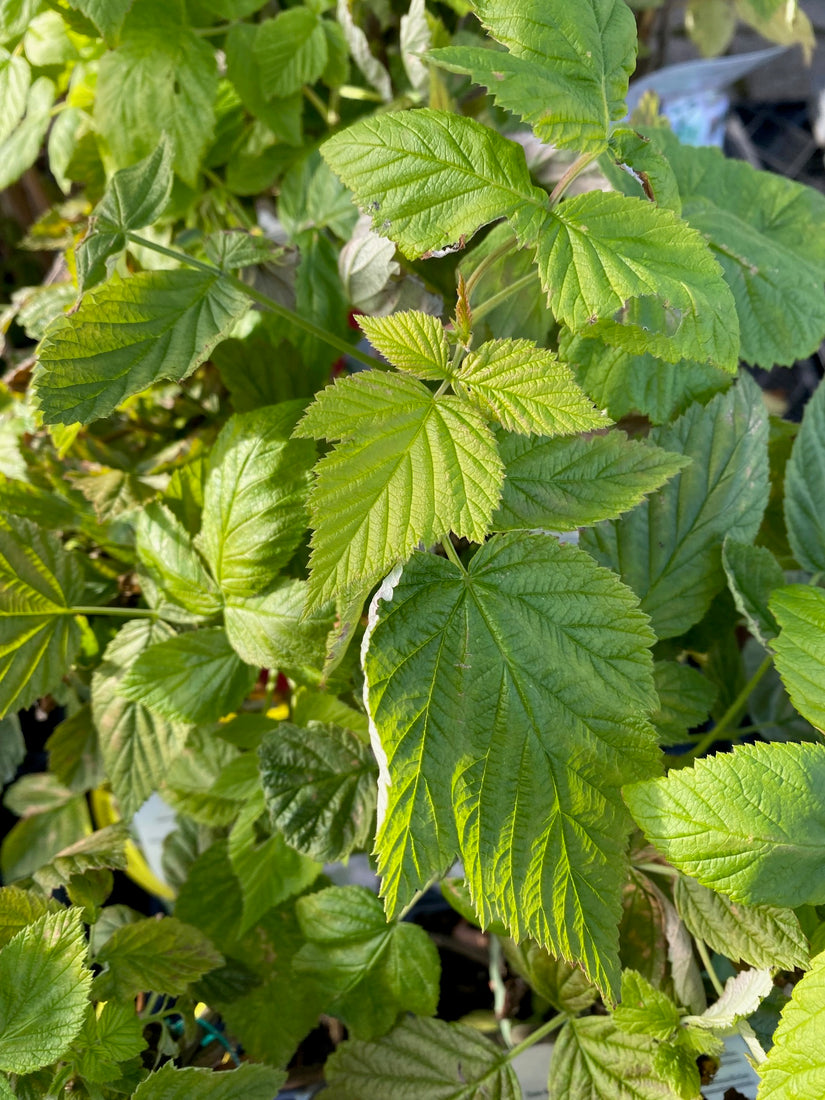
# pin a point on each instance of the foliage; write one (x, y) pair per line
(314, 579)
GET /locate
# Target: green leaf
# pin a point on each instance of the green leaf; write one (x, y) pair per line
(473, 731)
(567, 69)
(275, 630)
(412, 341)
(526, 389)
(34, 840)
(281, 116)
(429, 178)
(107, 15)
(19, 908)
(15, 79)
(645, 1010)
(368, 970)
(635, 275)
(103, 849)
(157, 956)
(634, 157)
(137, 745)
(255, 499)
(44, 989)
(21, 148)
(626, 383)
(412, 467)
(247, 1082)
(268, 869)
(419, 1058)
(760, 936)
(685, 700)
(753, 573)
(210, 898)
(161, 78)
(766, 232)
(805, 488)
(562, 484)
(795, 1067)
(800, 648)
(669, 548)
(195, 677)
(12, 748)
(165, 550)
(593, 1060)
(128, 334)
(192, 782)
(564, 986)
(320, 788)
(39, 583)
(290, 51)
(748, 823)
(113, 1036)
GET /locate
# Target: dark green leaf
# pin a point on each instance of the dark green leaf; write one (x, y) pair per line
(158, 956)
(805, 488)
(290, 51)
(753, 573)
(166, 552)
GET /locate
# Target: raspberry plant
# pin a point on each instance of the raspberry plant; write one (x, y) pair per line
(446, 608)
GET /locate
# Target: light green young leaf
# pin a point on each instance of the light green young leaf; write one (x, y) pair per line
(15, 79)
(527, 390)
(795, 1068)
(19, 908)
(800, 648)
(422, 1057)
(137, 745)
(165, 550)
(247, 1082)
(128, 334)
(685, 700)
(106, 1039)
(195, 677)
(275, 630)
(359, 48)
(254, 513)
(39, 582)
(753, 573)
(562, 484)
(669, 548)
(161, 78)
(805, 488)
(430, 178)
(593, 1060)
(625, 383)
(103, 849)
(635, 275)
(157, 956)
(21, 148)
(369, 971)
(44, 990)
(412, 341)
(645, 1010)
(290, 51)
(320, 788)
(767, 233)
(412, 467)
(749, 823)
(471, 731)
(567, 69)
(761, 936)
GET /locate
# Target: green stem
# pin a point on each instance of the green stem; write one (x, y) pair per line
(488, 261)
(450, 551)
(231, 201)
(657, 869)
(211, 32)
(312, 97)
(708, 965)
(574, 170)
(499, 991)
(731, 716)
(754, 1046)
(536, 1036)
(264, 300)
(503, 295)
(119, 612)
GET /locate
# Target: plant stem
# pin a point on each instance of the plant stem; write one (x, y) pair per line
(450, 551)
(657, 869)
(312, 97)
(484, 265)
(731, 715)
(264, 300)
(573, 171)
(751, 1041)
(708, 965)
(120, 612)
(546, 1029)
(222, 28)
(499, 992)
(503, 295)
